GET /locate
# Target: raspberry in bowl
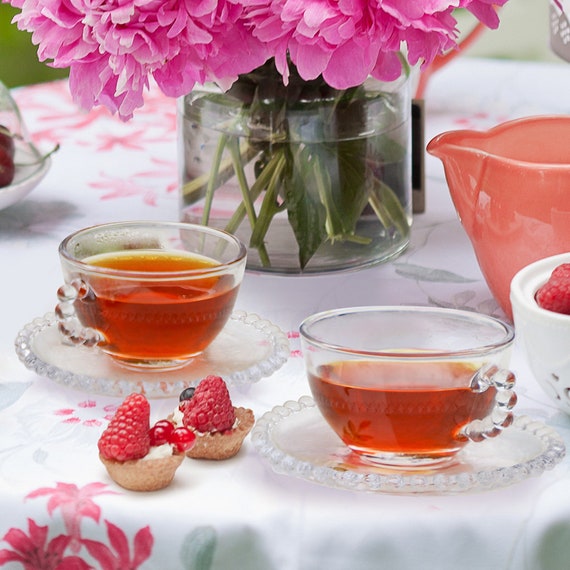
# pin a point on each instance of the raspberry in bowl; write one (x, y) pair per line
(540, 297)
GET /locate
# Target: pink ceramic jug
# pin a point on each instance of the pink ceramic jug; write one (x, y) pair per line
(511, 188)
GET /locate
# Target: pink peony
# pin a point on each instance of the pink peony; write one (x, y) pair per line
(114, 47)
(345, 41)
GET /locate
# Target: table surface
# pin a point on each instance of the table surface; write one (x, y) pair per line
(240, 513)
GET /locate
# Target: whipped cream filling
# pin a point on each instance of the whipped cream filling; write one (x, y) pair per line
(158, 452)
(177, 417)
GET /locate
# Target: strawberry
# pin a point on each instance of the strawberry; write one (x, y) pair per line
(554, 295)
(210, 408)
(127, 435)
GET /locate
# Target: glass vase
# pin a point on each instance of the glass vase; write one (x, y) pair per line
(310, 178)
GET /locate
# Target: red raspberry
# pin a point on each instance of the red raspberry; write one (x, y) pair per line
(554, 295)
(126, 436)
(210, 409)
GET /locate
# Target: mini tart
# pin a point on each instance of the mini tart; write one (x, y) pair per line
(223, 445)
(143, 474)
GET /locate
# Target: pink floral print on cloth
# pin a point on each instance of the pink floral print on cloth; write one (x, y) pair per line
(36, 550)
(40, 547)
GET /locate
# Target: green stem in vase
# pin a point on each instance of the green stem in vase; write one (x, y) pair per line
(213, 182)
(269, 206)
(255, 191)
(242, 181)
(247, 199)
(224, 172)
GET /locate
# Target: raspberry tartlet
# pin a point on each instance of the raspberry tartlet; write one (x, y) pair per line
(138, 457)
(220, 428)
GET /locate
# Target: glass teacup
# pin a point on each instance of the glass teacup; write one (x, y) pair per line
(409, 387)
(152, 295)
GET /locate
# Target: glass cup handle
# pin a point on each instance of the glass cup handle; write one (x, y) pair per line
(67, 322)
(501, 416)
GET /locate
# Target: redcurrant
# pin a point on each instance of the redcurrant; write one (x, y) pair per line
(182, 438)
(161, 432)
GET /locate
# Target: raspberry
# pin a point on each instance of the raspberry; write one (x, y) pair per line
(554, 295)
(126, 436)
(210, 409)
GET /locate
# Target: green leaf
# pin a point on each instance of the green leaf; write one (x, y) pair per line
(305, 212)
(388, 209)
(353, 175)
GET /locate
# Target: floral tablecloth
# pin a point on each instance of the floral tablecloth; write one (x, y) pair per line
(58, 503)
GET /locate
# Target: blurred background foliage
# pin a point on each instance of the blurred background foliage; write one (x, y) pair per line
(19, 63)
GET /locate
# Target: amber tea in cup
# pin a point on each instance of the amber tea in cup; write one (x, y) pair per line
(152, 295)
(409, 387)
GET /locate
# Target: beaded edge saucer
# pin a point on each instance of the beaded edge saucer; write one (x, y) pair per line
(248, 348)
(296, 441)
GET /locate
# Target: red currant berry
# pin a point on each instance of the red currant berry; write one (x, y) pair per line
(161, 432)
(182, 438)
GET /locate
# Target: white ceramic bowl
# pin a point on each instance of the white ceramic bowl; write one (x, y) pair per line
(545, 334)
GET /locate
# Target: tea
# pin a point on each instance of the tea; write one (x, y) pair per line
(143, 317)
(400, 408)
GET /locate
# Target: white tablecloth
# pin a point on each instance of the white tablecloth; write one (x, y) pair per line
(239, 513)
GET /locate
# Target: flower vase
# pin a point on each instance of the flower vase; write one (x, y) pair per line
(312, 179)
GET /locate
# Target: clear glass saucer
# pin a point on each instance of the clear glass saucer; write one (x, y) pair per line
(296, 441)
(248, 348)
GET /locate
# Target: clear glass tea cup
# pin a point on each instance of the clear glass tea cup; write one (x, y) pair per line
(409, 387)
(152, 295)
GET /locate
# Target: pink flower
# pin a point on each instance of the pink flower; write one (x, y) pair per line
(484, 11)
(347, 40)
(114, 48)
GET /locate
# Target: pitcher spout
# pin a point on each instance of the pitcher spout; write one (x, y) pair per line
(463, 163)
(445, 145)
